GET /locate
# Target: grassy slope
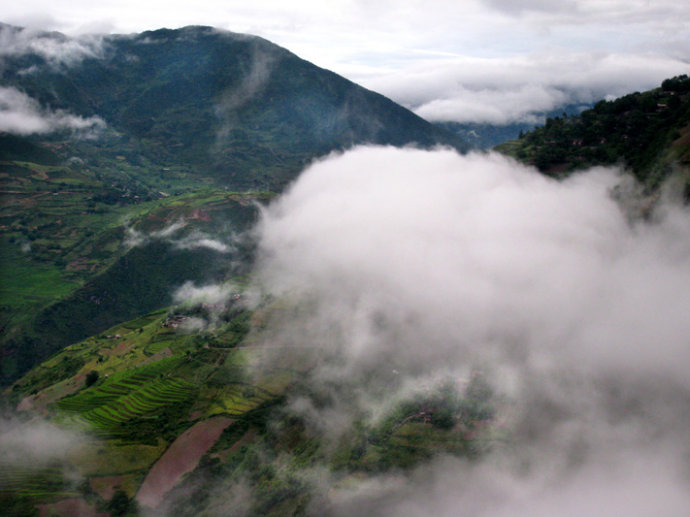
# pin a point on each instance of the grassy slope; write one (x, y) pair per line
(155, 382)
(65, 269)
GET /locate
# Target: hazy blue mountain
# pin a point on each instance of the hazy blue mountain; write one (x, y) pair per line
(485, 136)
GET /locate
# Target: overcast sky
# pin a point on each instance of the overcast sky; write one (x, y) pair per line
(495, 61)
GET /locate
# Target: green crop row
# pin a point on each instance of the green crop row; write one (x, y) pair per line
(139, 403)
(118, 386)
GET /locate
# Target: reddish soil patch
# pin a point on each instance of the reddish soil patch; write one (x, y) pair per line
(70, 507)
(196, 414)
(39, 401)
(180, 458)
(121, 348)
(26, 404)
(78, 265)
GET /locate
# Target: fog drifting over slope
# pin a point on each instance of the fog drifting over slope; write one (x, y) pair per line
(422, 265)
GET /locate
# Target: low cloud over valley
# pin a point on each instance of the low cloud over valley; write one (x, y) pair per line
(418, 267)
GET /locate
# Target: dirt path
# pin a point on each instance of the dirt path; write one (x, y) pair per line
(180, 458)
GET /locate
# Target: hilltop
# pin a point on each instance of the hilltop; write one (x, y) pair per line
(233, 109)
(647, 132)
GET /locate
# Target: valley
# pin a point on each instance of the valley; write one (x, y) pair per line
(240, 284)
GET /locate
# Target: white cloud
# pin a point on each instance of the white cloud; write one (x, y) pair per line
(607, 486)
(478, 60)
(35, 443)
(193, 240)
(55, 48)
(479, 246)
(416, 265)
(212, 294)
(505, 90)
(20, 114)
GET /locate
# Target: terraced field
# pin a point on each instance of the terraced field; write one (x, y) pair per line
(140, 402)
(44, 484)
(235, 399)
(129, 395)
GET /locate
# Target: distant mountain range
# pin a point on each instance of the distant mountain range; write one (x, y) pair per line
(485, 135)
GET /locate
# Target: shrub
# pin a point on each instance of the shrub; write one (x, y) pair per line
(91, 378)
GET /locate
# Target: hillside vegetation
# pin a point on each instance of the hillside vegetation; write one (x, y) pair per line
(157, 404)
(190, 128)
(78, 256)
(648, 132)
(141, 394)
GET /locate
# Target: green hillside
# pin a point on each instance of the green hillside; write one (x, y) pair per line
(197, 125)
(135, 393)
(154, 406)
(648, 132)
(70, 267)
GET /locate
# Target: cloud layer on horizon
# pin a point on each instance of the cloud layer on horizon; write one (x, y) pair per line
(518, 89)
(477, 61)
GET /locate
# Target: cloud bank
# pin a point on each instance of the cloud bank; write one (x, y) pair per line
(22, 115)
(416, 266)
(519, 89)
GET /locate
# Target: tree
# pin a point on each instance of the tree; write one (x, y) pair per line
(91, 378)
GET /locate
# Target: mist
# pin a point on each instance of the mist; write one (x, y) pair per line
(521, 88)
(36, 443)
(173, 234)
(419, 267)
(23, 115)
(56, 49)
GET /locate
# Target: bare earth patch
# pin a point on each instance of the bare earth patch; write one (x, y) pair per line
(163, 354)
(51, 394)
(180, 458)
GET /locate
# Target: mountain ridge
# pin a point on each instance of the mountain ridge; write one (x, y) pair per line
(230, 106)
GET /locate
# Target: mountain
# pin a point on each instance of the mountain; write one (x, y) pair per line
(180, 131)
(648, 132)
(233, 109)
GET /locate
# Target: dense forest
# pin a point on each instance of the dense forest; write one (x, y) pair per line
(649, 132)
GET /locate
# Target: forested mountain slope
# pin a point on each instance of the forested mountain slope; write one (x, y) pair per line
(647, 132)
(232, 108)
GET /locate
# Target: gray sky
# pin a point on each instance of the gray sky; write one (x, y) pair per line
(467, 60)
